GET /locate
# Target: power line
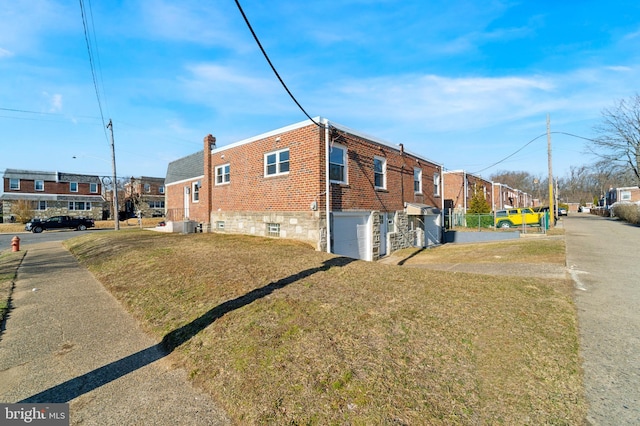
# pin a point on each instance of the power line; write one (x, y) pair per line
(530, 142)
(93, 72)
(510, 155)
(271, 65)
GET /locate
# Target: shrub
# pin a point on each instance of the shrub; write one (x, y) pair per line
(629, 212)
(479, 220)
(23, 210)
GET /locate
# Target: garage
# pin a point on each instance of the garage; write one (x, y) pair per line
(351, 234)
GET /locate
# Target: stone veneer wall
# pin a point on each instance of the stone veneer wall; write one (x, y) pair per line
(304, 226)
(58, 208)
(403, 237)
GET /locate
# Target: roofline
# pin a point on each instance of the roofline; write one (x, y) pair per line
(326, 122)
(176, 182)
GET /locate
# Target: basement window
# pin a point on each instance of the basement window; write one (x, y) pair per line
(273, 229)
(220, 224)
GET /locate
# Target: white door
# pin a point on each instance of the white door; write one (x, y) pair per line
(352, 235)
(384, 228)
(187, 194)
(431, 229)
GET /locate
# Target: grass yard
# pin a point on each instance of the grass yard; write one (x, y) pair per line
(281, 334)
(523, 250)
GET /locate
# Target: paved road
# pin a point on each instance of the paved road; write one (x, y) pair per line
(68, 340)
(45, 237)
(603, 255)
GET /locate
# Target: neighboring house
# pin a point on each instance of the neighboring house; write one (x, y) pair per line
(629, 194)
(506, 197)
(53, 193)
(459, 188)
(380, 197)
(145, 195)
(183, 187)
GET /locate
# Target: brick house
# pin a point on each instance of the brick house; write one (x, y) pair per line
(459, 187)
(183, 184)
(506, 197)
(145, 195)
(629, 194)
(381, 197)
(52, 193)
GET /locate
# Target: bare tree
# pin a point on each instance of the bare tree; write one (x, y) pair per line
(618, 139)
(521, 180)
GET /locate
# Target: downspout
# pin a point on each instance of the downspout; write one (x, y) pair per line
(442, 212)
(466, 191)
(327, 184)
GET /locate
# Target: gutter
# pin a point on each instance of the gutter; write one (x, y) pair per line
(327, 184)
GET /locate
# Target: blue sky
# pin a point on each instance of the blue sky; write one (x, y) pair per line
(464, 83)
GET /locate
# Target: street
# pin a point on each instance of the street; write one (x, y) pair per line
(602, 256)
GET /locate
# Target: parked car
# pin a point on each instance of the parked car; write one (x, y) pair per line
(562, 211)
(517, 217)
(59, 222)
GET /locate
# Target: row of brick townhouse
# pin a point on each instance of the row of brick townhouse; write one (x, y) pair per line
(460, 186)
(317, 181)
(56, 193)
(52, 193)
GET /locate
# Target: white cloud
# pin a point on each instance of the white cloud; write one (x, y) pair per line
(22, 22)
(202, 23)
(54, 101)
(232, 89)
(4, 53)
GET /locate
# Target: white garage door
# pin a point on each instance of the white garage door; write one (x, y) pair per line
(351, 235)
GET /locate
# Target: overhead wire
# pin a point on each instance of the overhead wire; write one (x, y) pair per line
(91, 64)
(530, 142)
(273, 68)
(510, 155)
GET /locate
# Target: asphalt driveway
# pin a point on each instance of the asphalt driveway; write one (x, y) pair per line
(602, 256)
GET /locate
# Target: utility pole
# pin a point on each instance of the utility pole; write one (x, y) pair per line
(551, 204)
(115, 182)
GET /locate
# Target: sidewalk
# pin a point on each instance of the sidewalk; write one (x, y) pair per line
(68, 340)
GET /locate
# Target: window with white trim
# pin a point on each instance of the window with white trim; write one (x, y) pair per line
(195, 192)
(73, 186)
(156, 204)
(276, 163)
(161, 189)
(379, 172)
(79, 205)
(93, 188)
(223, 175)
(338, 164)
(42, 205)
(417, 179)
(39, 185)
(147, 187)
(625, 195)
(436, 184)
(14, 184)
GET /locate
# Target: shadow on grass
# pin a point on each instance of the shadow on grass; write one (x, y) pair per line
(414, 254)
(94, 379)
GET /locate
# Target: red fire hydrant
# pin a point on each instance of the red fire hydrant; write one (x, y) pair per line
(15, 243)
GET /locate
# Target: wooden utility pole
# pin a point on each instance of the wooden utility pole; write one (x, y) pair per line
(551, 203)
(114, 192)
